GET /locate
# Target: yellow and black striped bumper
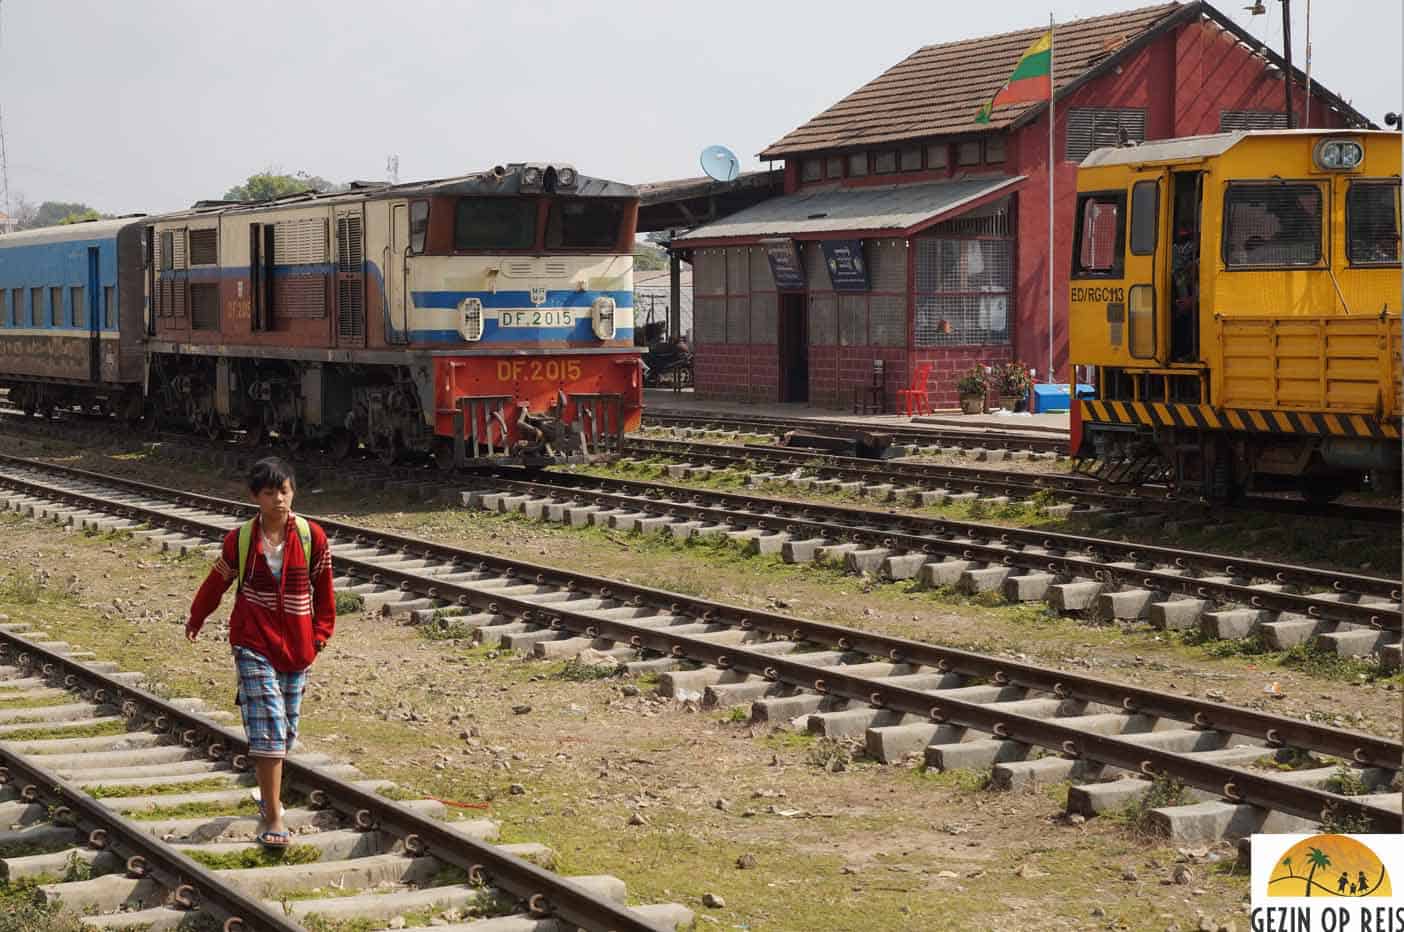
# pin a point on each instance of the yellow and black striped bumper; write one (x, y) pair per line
(1208, 417)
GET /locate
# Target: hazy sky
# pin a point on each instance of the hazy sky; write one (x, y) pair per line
(147, 105)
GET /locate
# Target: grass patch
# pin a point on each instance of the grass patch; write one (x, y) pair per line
(446, 628)
(316, 922)
(348, 603)
(244, 807)
(257, 856)
(1346, 782)
(1164, 791)
(21, 588)
(99, 730)
(398, 793)
(579, 672)
(160, 789)
(958, 778)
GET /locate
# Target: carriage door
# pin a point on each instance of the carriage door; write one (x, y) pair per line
(350, 278)
(1186, 230)
(396, 273)
(94, 318)
(1146, 284)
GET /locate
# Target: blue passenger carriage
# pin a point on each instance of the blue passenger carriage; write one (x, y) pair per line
(71, 317)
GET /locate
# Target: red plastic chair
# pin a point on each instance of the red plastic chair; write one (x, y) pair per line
(914, 395)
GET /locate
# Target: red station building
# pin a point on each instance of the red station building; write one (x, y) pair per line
(907, 232)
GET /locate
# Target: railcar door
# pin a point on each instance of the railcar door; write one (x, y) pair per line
(397, 274)
(1147, 330)
(350, 278)
(94, 318)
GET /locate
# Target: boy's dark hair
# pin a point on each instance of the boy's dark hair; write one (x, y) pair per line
(270, 473)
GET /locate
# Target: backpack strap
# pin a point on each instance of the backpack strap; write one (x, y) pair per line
(304, 534)
(245, 544)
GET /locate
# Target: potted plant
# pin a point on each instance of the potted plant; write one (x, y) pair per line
(973, 386)
(1011, 383)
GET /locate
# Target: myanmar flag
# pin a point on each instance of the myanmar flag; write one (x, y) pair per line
(1032, 79)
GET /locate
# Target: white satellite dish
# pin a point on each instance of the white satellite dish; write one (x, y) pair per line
(720, 163)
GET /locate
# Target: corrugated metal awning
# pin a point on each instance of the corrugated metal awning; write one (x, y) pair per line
(886, 209)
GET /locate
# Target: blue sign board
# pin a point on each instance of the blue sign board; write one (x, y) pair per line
(847, 269)
(785, 265)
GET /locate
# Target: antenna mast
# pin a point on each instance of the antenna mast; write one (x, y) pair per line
(4, 161)
(392, 166)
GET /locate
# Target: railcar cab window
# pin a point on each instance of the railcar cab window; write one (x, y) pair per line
(1272, 225)
(494, 223)
(419, 226)
(1099, 241)
(584, 223)
(1372, 223)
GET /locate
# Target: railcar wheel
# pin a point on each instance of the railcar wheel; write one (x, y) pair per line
(342, 443)
(442, 455)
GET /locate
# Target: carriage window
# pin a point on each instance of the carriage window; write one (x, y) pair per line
(1372, 223)
(17, 307)
(9, 309)
(1272, 225)
(55, 307)
(36, 307)
(109, 308)
(79, 311)
(1100, 234)
(419, 226)
(1145, 208)
(584, 223)
(494, 223)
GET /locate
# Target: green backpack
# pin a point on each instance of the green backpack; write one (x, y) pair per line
(304, 533)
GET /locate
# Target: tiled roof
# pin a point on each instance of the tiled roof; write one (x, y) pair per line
(829, 209)
(939, 88)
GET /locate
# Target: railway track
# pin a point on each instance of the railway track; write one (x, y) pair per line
(83, 808)
(910, 480)
(1223, 596)
(957, 708)
(1033, 439)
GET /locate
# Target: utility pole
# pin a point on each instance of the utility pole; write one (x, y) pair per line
(1287, 53)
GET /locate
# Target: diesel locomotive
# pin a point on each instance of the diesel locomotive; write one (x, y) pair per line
(486, 318)
(1239, 296)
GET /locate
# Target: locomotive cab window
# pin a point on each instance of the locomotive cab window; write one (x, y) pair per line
(1272, 225)
(419, 226)
(585, 223)
(1372, 223)
(1145, 213)
(1100, 237)
(494, 223)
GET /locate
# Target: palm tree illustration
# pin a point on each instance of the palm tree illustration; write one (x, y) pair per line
(1316, 858)
(1287, 863)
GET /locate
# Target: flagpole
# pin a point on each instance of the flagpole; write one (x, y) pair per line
(1052, 59)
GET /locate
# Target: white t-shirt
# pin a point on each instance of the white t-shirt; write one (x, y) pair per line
(274, 556)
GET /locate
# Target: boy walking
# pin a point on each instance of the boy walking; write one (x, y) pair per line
(284, 614)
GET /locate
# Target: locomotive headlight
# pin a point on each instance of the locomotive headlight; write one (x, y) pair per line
(470, 319)
(531, 176)
(1339, 154)
(602, 318)
(565, 177)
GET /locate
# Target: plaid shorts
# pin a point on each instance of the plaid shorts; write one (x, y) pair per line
(269, 702)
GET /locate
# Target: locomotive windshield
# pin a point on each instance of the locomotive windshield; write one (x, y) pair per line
(584, 224)
(494, 223)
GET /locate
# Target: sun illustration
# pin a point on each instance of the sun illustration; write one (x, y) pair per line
(1328, 865)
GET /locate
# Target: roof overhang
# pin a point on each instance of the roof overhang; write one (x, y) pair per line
(853, 213)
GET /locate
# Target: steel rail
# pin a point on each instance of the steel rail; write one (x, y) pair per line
(916, 533)
(544, 892)
(1277, 731)
(976, 437)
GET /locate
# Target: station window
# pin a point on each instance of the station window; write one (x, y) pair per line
(835, 166)
(1372, 223)
(78, 312)
(55, 307)
(911, 160)
(109, 308)
(419, 226)
(994, 150)
(884, 163)
(857, 164)
(938, 155)
(811, 169)
(1099, 238)
(1271, 225)
(968, 152)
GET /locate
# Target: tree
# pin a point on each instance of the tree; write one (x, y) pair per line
(649, 258)
(269, 184)
(1316, 858)
(81, 216)
(23, 211)
(52, 213)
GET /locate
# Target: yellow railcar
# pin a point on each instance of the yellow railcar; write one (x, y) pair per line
(1239, 296)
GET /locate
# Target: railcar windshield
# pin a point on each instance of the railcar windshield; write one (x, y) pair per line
(585, 223)
(1372, 223)
(1272, 225)
(495, 223)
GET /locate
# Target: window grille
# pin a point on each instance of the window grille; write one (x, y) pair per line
(738, 320)
(709, 272)
(1094, 127)
(304, 242)
(1272, 225)
(823, 326)
(204, 247)
(887, 320)
(852, 320)
(964, 291)
(709, 322)
(763, 318)
(1372, 223)
(938, 155)
(204, 307)
(738, 270)
(994, 150)
(1230, 120)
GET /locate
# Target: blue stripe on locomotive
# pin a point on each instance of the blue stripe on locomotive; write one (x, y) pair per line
(581, 331)
(62, 265)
